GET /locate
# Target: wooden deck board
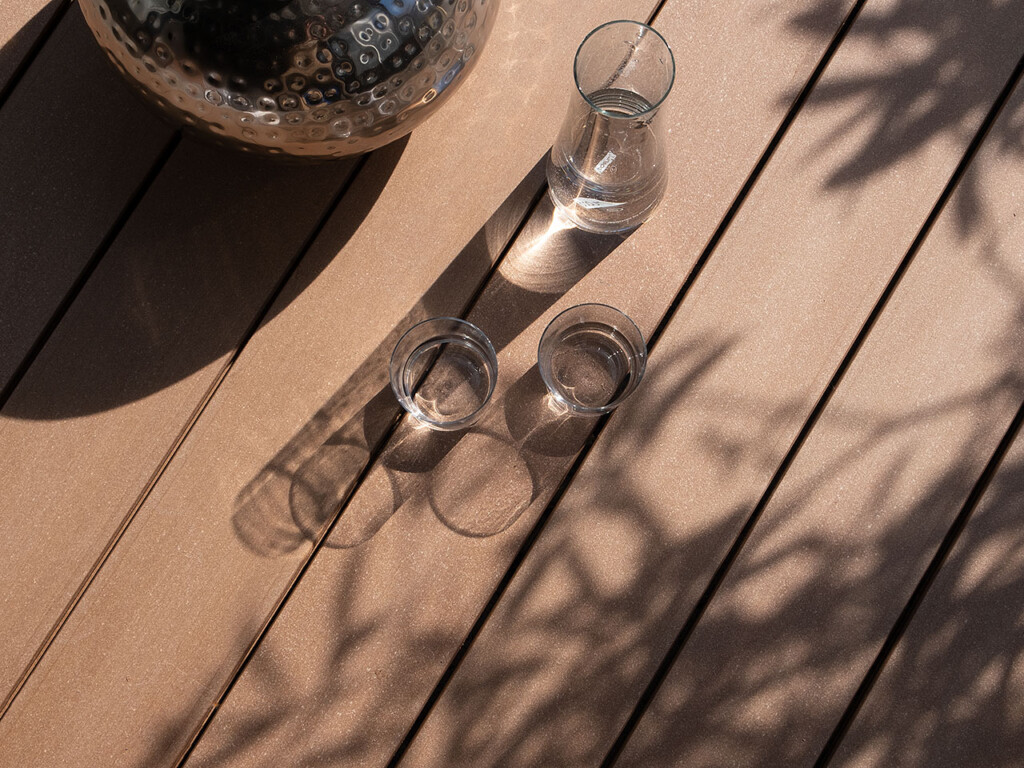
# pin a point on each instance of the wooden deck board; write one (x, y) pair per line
(635, 540)
(416, 554)
(70, 165)
(97, 414)
(838, 551)
(158, 633)
(951, 695)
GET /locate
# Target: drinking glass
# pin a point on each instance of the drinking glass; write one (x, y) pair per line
(443, 372)
(591, 358)
(607, 170)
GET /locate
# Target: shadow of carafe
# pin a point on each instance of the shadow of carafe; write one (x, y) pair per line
(356, 457)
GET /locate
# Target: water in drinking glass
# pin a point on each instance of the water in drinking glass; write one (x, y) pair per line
(591, 357)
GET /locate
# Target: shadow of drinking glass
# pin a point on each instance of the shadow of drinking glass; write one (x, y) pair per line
(476, 482)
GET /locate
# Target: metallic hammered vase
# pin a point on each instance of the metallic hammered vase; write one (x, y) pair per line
(309, 78)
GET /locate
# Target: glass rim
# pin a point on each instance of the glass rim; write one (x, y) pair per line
(608, 407)
(647, 28)
(405, 399)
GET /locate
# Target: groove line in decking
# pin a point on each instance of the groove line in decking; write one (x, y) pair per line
(723, 569)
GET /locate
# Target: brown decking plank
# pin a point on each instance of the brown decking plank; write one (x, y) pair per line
(628, 552)
(354, 654)
(25, 26)
(951, 694)
(157, 636)
(104, 402)
(76, 146)
(808, 604)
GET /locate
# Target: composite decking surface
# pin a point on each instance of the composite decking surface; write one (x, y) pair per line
(798, 544)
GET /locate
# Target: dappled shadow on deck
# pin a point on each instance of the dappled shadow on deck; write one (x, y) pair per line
(952, 693)
(944, 67)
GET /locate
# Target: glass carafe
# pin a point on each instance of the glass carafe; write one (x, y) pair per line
(607, 170)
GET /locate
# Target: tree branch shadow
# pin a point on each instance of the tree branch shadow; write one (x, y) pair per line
(940, 67)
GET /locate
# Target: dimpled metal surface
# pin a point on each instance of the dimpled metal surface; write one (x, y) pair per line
(310, 78)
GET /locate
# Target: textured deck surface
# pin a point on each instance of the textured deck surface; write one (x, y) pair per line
(798, 544)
